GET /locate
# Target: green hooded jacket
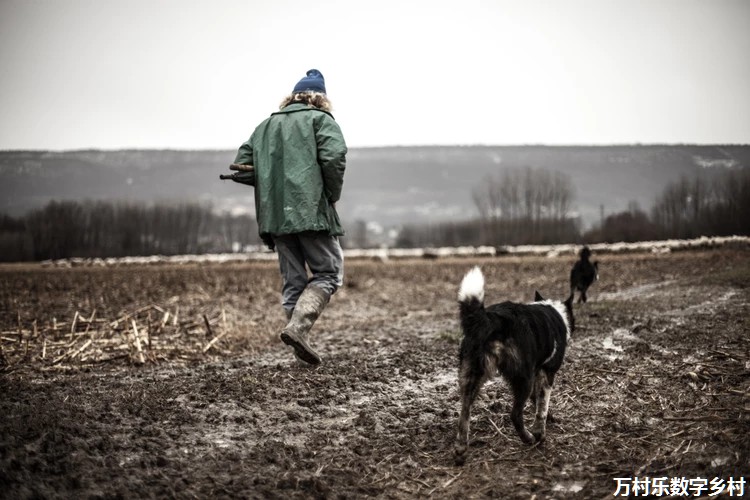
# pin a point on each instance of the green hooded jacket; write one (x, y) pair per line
(299, 156)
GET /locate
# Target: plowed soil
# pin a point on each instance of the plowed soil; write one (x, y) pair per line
(656, 382)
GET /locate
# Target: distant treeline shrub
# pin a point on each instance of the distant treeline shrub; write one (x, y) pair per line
(530, 206)
(697, 207)
(688, 208)
(520, 207)
(629, 226)
(480, 232)
(64, 229)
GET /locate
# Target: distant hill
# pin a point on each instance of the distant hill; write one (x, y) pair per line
(389, 186)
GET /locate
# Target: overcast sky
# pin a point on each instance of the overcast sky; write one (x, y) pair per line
(201, 74)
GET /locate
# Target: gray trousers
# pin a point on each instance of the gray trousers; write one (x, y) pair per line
(323, 256)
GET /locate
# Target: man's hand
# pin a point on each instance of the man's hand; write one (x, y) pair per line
(241, 168)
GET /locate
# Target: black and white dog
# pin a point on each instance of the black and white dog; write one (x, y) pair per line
(583, 274)
(525, 343)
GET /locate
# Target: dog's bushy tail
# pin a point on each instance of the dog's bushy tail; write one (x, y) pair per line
(472, 288)
(471, 299)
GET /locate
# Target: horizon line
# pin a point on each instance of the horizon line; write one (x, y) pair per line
(394, 146)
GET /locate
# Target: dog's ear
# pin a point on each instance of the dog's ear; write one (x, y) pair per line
(538, 296)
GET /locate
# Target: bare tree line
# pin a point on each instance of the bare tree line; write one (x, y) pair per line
(524, 206)
(524, 194)
(67, 229)
(687, 208)
(695, 207)
(516, 207)
(531, 206)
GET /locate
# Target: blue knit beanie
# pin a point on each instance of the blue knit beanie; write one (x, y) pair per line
(313, 82)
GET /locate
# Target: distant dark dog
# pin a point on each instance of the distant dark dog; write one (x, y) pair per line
(583, 274)
(525, 343)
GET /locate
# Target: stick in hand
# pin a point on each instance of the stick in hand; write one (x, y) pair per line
(244, 174)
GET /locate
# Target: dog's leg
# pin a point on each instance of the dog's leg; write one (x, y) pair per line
(521, 392)
(550, 383)
(470, 384)
(543, 390)
(537, 396)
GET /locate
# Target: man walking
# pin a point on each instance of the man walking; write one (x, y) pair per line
(299, 158)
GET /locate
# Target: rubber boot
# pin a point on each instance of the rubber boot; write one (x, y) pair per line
(309, 306)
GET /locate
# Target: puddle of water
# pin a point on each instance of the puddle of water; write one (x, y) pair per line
(574, 487)
(708, 305)
(609, 344)
(640, 291)
(625, 334)
(719, 461)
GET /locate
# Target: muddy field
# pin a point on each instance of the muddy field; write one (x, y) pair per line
(169, 381)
